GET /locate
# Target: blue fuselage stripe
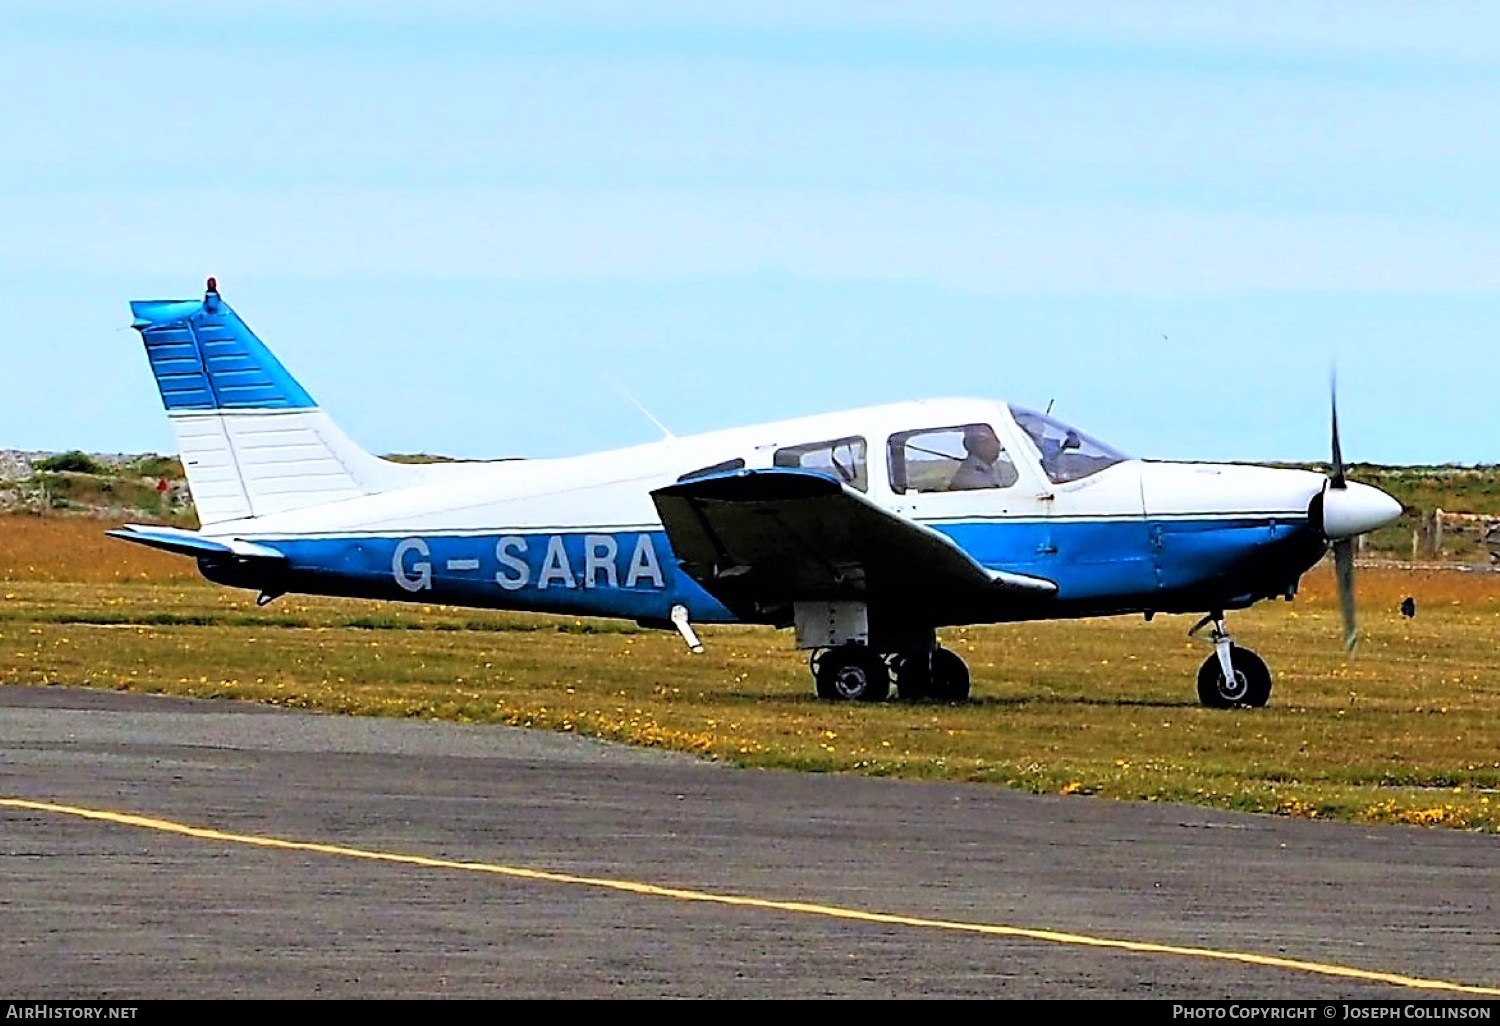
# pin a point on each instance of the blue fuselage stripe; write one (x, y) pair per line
(1102, 565)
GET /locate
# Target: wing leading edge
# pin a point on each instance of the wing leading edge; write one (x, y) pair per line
(759, 540)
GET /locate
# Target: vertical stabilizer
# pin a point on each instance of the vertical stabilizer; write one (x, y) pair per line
(252, 440)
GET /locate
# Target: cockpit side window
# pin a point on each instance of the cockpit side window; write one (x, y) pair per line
(843, 459)
(965, 457)
(1067, 453)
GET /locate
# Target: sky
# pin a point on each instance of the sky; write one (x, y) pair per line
(480, 228)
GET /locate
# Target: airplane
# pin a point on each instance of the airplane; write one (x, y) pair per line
(865, 532)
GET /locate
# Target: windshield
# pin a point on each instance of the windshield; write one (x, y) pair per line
(1067, 453)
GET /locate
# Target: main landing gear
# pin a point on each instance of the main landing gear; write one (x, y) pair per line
(857, 673)
(1233, 676)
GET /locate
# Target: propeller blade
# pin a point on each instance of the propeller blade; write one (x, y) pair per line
(1336, 478)
(1343, 568)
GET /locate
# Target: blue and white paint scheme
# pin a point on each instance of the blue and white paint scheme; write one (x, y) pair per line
(865, 530)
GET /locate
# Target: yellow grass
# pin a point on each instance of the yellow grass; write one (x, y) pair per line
(1408, 731)
(75, 548)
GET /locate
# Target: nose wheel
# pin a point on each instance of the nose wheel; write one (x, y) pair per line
(1250, 686)
(1233, 677)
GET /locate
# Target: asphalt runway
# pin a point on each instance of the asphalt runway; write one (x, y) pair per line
(401, 859)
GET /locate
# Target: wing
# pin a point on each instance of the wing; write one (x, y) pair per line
(759, 540)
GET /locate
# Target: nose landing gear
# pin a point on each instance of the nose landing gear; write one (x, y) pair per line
(1233, 676)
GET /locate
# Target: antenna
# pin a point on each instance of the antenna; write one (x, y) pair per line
(1048, 411)
(666, 432)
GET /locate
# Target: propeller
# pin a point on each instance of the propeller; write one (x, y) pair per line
(1343, 548)
(1336, 479)
(1343, 511)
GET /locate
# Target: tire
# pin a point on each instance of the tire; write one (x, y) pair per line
(950, 677)
(815, 660)
(853, 674)
(1252, 681)
(913, 677)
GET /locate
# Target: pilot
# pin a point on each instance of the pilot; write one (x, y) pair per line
(981, 467)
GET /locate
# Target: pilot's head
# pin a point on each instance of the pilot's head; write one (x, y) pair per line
(981, 443)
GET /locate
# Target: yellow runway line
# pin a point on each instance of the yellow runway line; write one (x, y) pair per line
(798, 907)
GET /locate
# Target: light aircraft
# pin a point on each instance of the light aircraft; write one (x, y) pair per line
(865, 531)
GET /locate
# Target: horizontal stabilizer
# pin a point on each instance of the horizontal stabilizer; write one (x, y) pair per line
(190, 543)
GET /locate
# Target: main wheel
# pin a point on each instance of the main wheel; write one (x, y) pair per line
(815, 660)
(853, 673)
(913, 675)
(950, 676)
(1251, 685)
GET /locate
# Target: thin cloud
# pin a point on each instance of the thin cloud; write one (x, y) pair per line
(560, 235)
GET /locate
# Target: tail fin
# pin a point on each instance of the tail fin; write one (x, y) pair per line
(252, 440)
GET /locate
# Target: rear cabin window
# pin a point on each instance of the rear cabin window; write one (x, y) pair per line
(843, 459)
(962, 458)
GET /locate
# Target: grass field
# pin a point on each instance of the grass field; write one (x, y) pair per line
(1407, 732)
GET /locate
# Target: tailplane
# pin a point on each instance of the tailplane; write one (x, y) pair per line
(252, 440)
